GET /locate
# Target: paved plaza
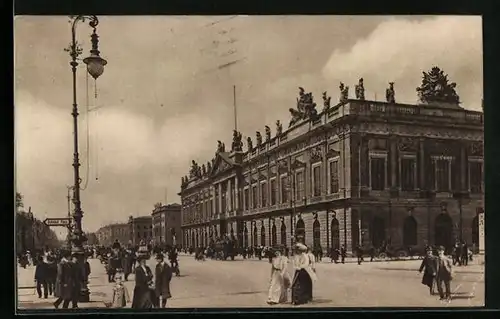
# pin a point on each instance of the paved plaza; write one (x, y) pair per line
(244, 283)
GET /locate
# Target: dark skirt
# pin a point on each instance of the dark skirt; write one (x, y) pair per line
(143, 298)
(301, 288)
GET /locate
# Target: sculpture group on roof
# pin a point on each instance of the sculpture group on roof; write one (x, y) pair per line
(306, 108)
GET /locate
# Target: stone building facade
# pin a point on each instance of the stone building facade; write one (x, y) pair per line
(358, 173)
(140, 229)
(107, 235)
(167, 224)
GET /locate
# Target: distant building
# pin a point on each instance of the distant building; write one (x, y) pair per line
(167, 224)
(107, 235)
(140, 228)
(357, 173)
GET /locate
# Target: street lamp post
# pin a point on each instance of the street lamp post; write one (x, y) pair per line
(95, 67)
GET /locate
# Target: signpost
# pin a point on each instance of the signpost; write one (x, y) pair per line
(66, 222)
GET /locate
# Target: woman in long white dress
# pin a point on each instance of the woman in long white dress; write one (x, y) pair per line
(280, 280)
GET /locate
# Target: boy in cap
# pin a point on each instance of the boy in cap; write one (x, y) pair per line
(444, 274)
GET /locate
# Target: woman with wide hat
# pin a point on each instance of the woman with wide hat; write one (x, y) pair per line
(304, 276)
(142, 298)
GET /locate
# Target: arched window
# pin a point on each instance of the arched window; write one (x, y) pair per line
(193, 240)
(316, 234)
(274, 236)
(206, 238)
(475, 231)
(263, 236)
(197, 240)
(377, 231)
(283, 233)
(254, 241)
(443, 231)
(410, 231)
(300, 231)
(245, 237)
(232, 233)
(335, 233)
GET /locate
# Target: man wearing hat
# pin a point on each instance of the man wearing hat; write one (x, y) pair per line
(444, 274)
(65, 282)
(163, 275)
(429, 267)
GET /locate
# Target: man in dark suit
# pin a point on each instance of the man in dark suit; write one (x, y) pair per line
(78, 273)
(444, 274)
(64, 282)
(163, 275)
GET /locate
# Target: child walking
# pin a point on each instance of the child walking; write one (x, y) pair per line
(120, 293)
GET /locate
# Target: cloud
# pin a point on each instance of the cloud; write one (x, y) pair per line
(399, 50)
(128, 157)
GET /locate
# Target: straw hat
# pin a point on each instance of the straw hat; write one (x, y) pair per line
(300, 247)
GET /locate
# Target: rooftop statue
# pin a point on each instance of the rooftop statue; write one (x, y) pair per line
(279, 128)
(326, 101)
(268, 133)
(220, 147)
(306, 108)
(249, 144)
(237, 145)
(360, 90)
(390, 94)
(258, 136)
(344, 92)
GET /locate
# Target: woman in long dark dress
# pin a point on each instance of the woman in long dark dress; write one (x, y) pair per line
(303, 278)
(429, 267)
(143, 280)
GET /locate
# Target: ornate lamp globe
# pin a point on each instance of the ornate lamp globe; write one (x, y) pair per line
(95, 64)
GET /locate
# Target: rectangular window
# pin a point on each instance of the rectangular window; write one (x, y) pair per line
(408, 173)
(377, 173)
(233, 197)
(442, 173)
(273, 192)
(263, 194)
(299, 184)
(284, 189)
(316, 180)
(334, 176)
(476, 177)
(217, 211)
(254, 196)
(224, 198)
(247, 197)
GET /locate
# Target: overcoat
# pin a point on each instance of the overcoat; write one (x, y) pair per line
(163, 275)
(65, 281)
(429, 267)
(143, 296)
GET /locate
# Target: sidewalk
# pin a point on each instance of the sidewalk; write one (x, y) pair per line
(100, 290)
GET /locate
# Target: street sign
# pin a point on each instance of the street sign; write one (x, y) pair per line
(57, 221)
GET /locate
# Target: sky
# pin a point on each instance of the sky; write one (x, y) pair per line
(162, 100)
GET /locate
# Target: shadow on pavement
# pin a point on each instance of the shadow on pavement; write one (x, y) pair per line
(456, 297)
(246, 293)
(320, 301)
